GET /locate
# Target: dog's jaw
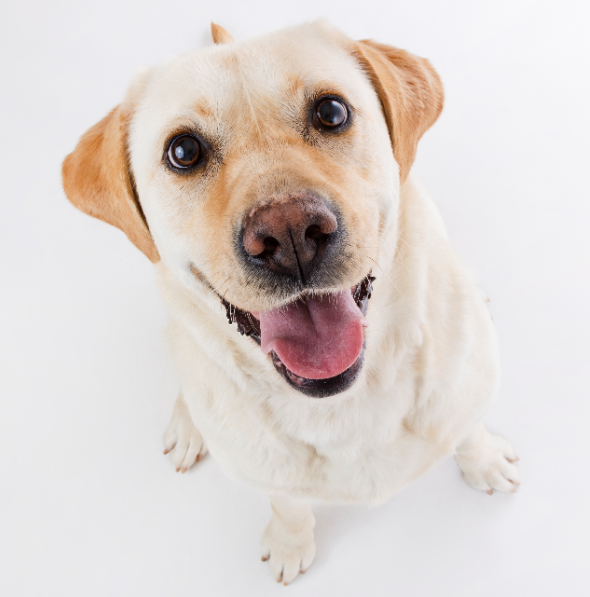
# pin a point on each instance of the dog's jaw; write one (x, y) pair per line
(320, 388)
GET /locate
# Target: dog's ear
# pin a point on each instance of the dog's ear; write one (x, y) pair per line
(411, 93)
(220, 35)
(97, 180)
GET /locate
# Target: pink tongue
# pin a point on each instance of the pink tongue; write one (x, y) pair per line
(317, 338)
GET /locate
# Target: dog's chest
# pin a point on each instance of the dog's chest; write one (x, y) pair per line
(354, 454)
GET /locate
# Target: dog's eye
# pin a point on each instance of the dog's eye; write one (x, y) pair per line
(331, 113)
(184, 151)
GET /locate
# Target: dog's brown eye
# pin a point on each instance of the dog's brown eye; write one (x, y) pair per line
(331, 113)
(184, 151)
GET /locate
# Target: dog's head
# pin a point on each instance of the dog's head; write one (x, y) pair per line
(268, 171)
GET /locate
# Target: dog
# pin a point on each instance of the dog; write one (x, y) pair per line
(269, 182)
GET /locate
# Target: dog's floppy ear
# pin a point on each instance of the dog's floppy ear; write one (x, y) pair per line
(411, 93)
(220, 35)
(97, 180)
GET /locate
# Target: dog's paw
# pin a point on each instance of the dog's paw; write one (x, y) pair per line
(287, 553)
(488, 464)
(182, 440)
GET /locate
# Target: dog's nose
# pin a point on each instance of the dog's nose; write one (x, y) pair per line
(290, 236)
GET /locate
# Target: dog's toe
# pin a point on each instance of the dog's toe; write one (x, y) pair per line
(182, 441)
(287, 555)
(489, 465)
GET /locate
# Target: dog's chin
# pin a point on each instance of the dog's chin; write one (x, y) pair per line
(320, 388)
(312, 369)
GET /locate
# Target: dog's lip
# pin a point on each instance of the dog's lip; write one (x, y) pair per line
(355, 290)
(302, 296)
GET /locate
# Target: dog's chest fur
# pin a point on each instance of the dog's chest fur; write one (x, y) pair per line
(405, 412)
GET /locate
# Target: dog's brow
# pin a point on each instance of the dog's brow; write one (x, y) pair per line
(204, 111)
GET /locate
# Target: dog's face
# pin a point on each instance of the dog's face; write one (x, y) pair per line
(264, 170)
(262, 156)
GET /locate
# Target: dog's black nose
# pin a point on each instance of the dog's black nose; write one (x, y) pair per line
(290, 236)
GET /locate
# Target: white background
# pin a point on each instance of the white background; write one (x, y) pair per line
(88, 503)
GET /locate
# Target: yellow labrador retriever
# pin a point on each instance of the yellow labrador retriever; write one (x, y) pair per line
(269, 183)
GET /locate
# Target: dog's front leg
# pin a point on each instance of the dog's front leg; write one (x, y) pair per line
(487, 461)
(287, 542)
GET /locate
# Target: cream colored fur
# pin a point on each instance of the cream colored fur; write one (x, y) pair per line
(431, 367)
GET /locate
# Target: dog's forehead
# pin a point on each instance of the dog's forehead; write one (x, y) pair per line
(261, 77)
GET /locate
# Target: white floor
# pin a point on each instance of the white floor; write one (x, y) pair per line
(88, 503)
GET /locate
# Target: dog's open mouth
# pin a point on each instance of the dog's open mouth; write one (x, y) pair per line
(316, 342)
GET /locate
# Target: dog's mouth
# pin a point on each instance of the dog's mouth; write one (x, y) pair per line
(315, 342)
